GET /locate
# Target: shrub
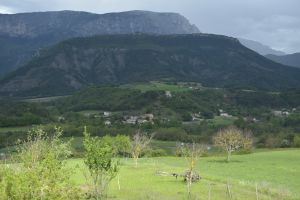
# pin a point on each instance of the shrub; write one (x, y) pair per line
(42, 173)
(296, 141)
(102, 168)
(155, 153)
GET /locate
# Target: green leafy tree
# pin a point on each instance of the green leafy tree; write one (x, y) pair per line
(101, 165)
(120, 144)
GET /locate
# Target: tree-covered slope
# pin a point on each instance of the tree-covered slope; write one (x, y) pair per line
(213, 60)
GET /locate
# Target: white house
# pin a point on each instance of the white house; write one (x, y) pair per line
(168, 94)
(107, 123)
(279, 113)
(131, 120)
(106, 114)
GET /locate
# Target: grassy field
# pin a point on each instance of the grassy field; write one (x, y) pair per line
(276, 173)
(224, 121)
(43, 99)
(153, 86)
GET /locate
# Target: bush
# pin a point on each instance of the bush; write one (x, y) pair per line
(101, 166)
(171, 134)
(155, 153)
(296, 142)
(42, 173)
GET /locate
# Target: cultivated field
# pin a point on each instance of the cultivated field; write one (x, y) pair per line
(276, 174)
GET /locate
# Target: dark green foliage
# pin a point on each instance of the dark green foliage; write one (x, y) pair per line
(22, 114)
(293, 120)
(186, 117)
(171, 134)
(108, 98)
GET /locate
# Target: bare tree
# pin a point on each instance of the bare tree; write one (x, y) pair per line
(139, 143)
(192, 153)
(231, 139)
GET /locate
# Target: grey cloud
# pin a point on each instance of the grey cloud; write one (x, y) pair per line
(273, 22)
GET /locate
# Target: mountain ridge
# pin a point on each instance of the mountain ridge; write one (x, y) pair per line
(40, 23)
(213, 60)
(289, 59)
(260, 48)
(22, 35)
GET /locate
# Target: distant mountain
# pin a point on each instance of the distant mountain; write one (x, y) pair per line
(22, 35)
(213, 60)
(260, 48)
(290, 59)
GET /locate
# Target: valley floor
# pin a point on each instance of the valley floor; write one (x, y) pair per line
(276, 174)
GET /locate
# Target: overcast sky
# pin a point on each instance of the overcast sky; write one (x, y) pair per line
(275, 23)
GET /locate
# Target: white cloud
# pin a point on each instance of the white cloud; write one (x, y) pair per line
(6, 10)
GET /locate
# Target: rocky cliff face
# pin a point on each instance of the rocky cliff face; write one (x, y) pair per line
(21, 35)
(71, 23)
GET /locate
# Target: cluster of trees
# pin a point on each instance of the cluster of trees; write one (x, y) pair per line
(22, 113)
(107, 98)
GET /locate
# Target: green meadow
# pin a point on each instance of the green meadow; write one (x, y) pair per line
(276, 174)
(158, 86)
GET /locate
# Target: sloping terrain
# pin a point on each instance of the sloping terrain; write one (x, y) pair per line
(260, 48)
(22, 35)
(213, 60)
(290, 59)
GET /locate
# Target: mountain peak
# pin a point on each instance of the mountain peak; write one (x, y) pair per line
(260, 48)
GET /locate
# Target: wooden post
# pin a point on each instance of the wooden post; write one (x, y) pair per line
(256, 191)
(228, 191)
(209, 191)
(119, 186)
